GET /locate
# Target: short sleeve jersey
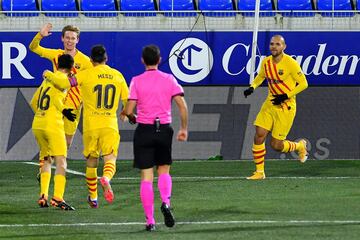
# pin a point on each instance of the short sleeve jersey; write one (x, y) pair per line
(102, 88)
(153, 91)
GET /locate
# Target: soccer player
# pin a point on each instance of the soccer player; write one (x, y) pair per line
(70, 38)
(48, 129)
(102, 87)
(152, 93)
(285, 80)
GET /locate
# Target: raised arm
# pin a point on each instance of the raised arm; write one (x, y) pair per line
(35, 43)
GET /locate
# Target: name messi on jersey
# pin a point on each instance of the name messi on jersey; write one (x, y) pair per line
(105, 75)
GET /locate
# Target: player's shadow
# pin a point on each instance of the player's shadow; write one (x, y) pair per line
(229, 210)
(257, 228)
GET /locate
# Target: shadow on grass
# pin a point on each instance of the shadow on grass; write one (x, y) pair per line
(228, 229)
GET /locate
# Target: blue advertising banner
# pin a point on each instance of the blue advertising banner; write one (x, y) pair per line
(199, 58)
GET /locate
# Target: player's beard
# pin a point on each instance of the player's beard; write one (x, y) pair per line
(276, 54)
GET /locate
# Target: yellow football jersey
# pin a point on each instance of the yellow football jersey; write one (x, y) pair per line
(285, 77)
(48, 103)
(82, 62)
(102, 88)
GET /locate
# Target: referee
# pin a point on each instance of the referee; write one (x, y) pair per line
(152, 93)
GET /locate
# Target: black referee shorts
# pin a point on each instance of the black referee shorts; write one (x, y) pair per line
(152, 148)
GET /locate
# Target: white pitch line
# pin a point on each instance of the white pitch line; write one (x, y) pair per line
(209, 177)
(185, 223)
(237, 178)
(53, 167)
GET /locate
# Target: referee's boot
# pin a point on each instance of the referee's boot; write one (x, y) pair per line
(257, 176)
(169, 219)
(302, 152)
(107, 190)
(150, 227)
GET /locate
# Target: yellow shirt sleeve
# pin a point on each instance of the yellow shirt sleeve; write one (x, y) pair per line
(58, 79)
(80, 77)
(34, 100)
(41, 51)
(124, 89)
(299, 78)
(58, 100)
(260, 77)
(124, 93)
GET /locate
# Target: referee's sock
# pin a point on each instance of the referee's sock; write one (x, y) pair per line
(147, 200)
(165, 186)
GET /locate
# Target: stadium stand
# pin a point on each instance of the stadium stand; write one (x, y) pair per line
(20, 6)
(138, 5)
(99, 7)
(218, 14)
(219, 7)
(296, 7)
(60, 5)
(179, 5)
(249, 5)
(330, 5)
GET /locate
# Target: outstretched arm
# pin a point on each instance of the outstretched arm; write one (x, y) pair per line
(59, 80)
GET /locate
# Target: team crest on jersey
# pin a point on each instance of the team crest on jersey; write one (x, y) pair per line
(77, 65)
(281, 72)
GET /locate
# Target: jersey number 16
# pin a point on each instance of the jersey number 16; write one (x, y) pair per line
(44, 99)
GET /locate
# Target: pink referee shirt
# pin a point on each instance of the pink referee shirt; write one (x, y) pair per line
(153, 91)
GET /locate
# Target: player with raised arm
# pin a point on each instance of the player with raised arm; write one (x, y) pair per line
(48, 129)
(285, 80)
(70, 38)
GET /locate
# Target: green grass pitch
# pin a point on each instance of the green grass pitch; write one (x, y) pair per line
(211, 200)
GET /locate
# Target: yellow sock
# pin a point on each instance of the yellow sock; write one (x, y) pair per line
(59, 187)
(109, 169)
(41, 163)
(290, 146)
(259, 152)
(91, 182)
(44, 183)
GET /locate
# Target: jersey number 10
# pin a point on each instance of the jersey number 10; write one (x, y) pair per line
(105, 96)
